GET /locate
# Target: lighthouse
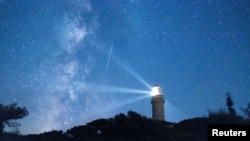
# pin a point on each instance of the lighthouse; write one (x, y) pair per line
(157, 102)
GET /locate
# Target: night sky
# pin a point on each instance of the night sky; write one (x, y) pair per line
(72, 61)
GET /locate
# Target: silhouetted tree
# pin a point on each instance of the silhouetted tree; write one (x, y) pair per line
(246, 111)
(230, 105)
(9, 114)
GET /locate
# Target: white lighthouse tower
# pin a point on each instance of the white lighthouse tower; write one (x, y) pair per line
(157, 101)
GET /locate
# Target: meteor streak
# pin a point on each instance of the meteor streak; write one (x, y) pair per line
(110, 52)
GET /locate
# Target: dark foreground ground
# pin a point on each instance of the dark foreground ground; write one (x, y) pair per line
(134, 127)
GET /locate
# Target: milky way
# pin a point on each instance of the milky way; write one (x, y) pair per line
(70, 62)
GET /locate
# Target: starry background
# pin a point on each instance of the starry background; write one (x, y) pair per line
(70, 62)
